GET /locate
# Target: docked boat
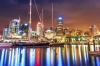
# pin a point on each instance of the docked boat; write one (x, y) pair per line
(41, 44)
(57, 44)
(31, 44)
(5, 44)
(22, 44)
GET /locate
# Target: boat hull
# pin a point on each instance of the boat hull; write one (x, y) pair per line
(31, 44)
(57, 44)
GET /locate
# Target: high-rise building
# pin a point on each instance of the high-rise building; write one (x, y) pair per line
(50, 34)
(60, 29)
(14, 26)
(5, 33)
(24, 28)
(39, 30)
(93, 30)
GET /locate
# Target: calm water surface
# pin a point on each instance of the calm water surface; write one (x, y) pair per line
(69, 55)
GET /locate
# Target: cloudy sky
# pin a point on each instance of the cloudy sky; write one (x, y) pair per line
(78, 14)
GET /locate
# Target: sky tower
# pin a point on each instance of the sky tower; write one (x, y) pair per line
(29, 30)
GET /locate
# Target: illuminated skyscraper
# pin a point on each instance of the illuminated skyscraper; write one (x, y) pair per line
(39, 30)
(93, 30)
(60, 26)
(5, 33)
(14, 26)
(24, 28)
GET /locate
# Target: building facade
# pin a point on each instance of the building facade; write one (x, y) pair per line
(93, 30)
(59, 29)
(14, 27)
(39, 29)
(5, 33)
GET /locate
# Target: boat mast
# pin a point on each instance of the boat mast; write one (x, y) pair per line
(37, 11)
(52, 15)
(42, 20)
(30, 13)
(42, 16)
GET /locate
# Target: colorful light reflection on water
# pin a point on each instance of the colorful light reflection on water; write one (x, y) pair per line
(69, 55)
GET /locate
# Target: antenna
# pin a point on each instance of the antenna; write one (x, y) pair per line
(52, 15)
(42, 20)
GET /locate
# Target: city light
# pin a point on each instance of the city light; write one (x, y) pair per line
(26, 24)
(60, 38)
(60, 18)
(5, 29)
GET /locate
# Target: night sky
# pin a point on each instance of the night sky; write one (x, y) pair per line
(78, 14)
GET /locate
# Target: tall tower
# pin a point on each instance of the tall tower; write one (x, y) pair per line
(60, 26)
(29, 30)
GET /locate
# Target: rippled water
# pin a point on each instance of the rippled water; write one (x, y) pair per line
(69, 55)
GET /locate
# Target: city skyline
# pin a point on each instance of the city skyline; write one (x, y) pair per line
(77, 14)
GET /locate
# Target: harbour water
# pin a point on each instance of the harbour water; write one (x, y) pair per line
(69, 55)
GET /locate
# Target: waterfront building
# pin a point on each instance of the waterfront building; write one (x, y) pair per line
(93, 30)
(86, 33)
(14, 28)
(59, 29)
(79, 33)
(33, 34)
(60, 32)
(5, 33)
(74, 35)
(24, 28)
(39, 29)
(66, 31)
(50, 34)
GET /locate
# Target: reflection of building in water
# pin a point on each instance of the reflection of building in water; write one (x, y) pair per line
(37, 59)
(52, 55)
(59, 56)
